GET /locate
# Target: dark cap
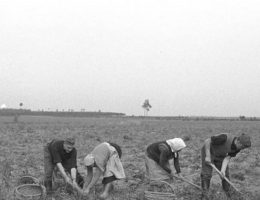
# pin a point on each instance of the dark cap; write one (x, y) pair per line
(245, 140)
(70, 141)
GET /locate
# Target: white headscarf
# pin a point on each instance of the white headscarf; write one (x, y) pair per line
(89, 160)
(176, 144)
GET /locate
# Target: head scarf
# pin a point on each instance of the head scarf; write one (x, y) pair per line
(89, 160)
(176, 144)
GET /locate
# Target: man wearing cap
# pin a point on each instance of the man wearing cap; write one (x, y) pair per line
(63, 155)
(157, 158)
(218, 150)
(105, 158)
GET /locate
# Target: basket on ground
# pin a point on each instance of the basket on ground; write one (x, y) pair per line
(30, 192)
(62, 194)
(28, 180)
(160, 195)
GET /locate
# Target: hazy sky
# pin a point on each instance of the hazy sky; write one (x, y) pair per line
(187, 57)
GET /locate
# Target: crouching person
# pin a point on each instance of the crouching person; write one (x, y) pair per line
(157, 159)
(105, 158)
(218, 150)
(63, 155)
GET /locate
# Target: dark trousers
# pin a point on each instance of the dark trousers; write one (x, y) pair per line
(206, 173)
(48, 169)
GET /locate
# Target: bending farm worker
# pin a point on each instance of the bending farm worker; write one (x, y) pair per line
(218, 150)
(158, 155)
(63, 155)
(105, 158)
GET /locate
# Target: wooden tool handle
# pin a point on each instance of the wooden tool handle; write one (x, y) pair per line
(187, 181)
(226, 179)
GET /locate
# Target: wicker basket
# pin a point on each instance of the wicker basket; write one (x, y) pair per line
(154, 195)
(28, 180)
(62, 194)
(30, 192)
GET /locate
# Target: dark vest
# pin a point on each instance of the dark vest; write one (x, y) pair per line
(220, 151)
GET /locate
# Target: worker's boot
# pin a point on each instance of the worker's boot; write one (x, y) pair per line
(205, 189)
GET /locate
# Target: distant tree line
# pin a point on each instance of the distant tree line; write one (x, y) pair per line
(18, 112)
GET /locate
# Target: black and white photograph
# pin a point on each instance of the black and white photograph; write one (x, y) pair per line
(129, 100)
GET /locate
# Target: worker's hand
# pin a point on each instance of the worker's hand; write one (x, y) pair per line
(67, 180)
(222, 175)
(74, 183)
(76, 187)
(208, 160)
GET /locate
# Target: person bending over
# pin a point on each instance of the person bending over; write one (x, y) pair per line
(63, 155)
(218, 150)
(105, 158)
(158, 155)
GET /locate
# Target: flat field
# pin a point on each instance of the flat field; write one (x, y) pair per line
(21, 151)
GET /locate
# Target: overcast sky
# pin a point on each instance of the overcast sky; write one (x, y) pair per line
(187, 57)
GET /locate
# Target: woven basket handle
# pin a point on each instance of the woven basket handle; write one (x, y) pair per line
(44, 195)
(164, 182)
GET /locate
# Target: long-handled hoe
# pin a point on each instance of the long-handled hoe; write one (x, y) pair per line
(226, 179)
(187, 181)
